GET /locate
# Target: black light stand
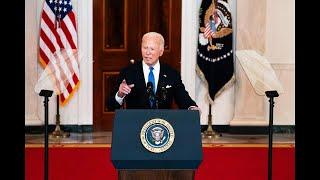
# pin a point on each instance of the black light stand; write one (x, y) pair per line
(46, 94)
(271, 95)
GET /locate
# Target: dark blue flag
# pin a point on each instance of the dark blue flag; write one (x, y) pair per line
(214, 53)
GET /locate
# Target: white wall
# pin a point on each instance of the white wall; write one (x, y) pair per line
(280, 51)
(266, 26)
(280, 32)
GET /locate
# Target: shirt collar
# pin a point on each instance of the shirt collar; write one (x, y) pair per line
(156, 67)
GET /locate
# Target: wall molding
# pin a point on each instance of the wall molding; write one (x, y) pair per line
(283, 66)
(289, 129)
(67, 128)
(32, 119)
(284, 129)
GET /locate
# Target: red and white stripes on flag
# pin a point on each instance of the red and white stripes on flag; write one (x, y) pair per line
(207, 31)
(58, 46)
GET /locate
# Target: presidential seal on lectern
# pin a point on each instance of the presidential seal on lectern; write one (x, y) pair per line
(157, 135)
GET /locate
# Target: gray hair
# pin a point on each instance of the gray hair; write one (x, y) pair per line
(156, 35)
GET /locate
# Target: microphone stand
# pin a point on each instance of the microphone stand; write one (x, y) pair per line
(151, 96)
(157, 103)
(163, 97)
(156, 100)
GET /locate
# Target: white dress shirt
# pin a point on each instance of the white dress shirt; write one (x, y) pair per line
(156, 72)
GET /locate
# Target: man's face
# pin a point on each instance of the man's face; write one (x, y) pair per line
(150, 50)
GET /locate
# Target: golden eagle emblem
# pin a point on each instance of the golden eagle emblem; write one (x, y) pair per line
(217, 24)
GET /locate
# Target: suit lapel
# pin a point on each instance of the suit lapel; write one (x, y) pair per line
(161, 78)
(140, 76)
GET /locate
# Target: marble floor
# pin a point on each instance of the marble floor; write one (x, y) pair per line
(104, 139)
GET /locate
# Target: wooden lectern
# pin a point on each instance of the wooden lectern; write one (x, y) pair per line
(134, 157)
(156, 174)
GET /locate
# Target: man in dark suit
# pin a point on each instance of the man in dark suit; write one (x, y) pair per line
(149, 84)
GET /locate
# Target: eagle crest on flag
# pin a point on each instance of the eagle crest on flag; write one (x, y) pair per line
(214, 52)
(217, 21)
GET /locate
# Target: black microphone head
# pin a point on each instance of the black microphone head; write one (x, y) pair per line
(163, 93)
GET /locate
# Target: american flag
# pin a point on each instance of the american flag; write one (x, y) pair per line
(58, 46)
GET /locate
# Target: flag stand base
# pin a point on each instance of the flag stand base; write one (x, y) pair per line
(58, 133)
(210, 133)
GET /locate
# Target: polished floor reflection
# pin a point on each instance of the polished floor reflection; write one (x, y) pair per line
(105, 138)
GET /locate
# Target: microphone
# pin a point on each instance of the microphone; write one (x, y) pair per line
(151, 96)
(163, 93)
(149, 88)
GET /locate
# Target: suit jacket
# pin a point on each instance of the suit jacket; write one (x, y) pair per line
(169, 88)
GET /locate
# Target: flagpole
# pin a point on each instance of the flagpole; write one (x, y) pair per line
(210, 133)
(58, 133)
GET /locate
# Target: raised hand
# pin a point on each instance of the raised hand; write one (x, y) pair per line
(124, 88)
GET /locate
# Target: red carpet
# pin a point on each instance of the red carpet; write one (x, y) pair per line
(221, 163)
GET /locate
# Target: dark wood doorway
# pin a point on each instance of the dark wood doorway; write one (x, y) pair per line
(118, 26)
